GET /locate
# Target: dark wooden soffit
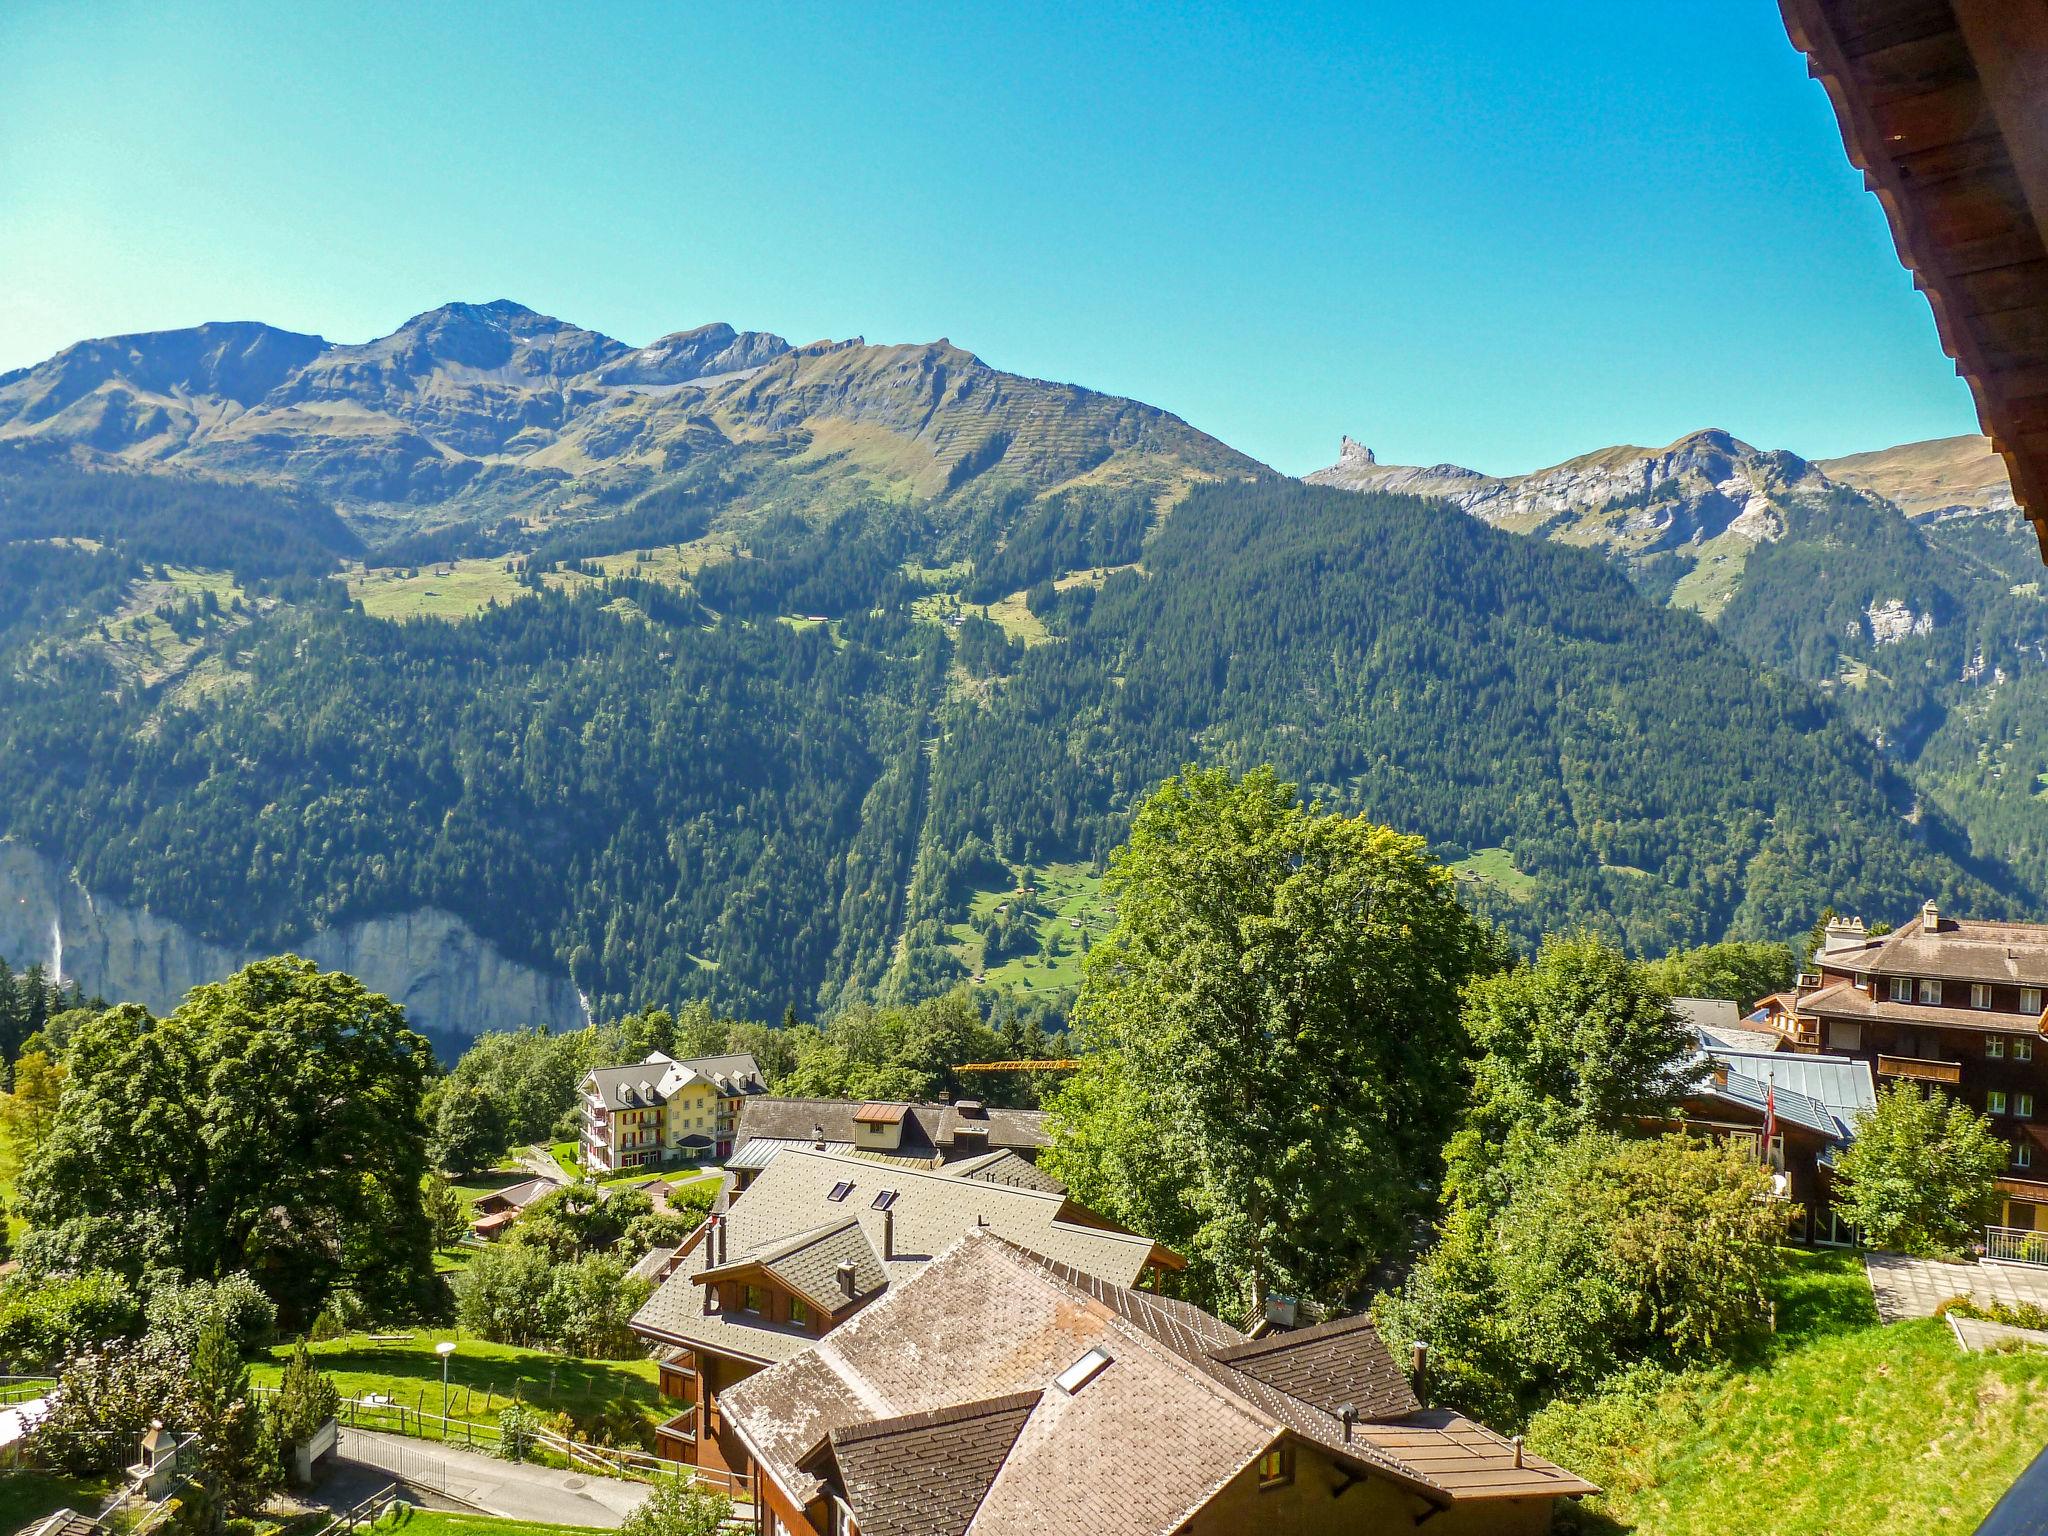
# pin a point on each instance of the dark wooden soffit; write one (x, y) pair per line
(1944, 108)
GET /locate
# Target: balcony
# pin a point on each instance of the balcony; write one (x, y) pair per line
(680, 1430)
(1920, 1069)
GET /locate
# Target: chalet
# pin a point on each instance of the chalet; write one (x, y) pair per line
(818, 1238)
(1948, 1002)
(921, 1135)
(1004, 1390)
(661, 1110)
(1807, 1105)
(496, 1211)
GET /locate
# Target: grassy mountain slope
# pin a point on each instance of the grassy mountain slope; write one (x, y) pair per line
(1847, 1428)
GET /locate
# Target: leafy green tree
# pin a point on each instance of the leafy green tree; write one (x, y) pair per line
(271, 1124)
(1743, 972)
(106, 1397)
(469, 1128)
(590, 1307)
(445, 1215)
(181, 1311)
(1921, 1175)
(1582, 1040)
(238, 1464)
(43, 1319)
(501, 1294)
(1272, 1037)
(1609, 1252)
(679, 1506)
(28, 1112)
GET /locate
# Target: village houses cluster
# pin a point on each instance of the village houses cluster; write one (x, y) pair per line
(998, 1348)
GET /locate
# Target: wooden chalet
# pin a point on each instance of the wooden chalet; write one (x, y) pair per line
(1951, 1003)
(816, 1239)
(999, 1390)
(1943, 106)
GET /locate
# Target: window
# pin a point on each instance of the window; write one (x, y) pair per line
(1082, 1371)
(2023, 1155)
(1902, 989)
(2030, 1000)
(841, 1190)
(884, 1200)
(2023, 1050)
(799, 1313)
(1276, 1466)
(1930, 990)
(1994, 1047)
(753, 1299)
(2023, 1105)
(1980, 994)
(1994, 1103)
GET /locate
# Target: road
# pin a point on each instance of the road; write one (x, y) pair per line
(497, 1487)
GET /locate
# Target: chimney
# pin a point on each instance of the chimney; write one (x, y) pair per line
(1419, 1371)
(888, 1234)
(721, 1240)
(1930, 917)
(817, 1135)
(1347, 1416)
(845, 1275)
(1842, 933)
(1518, 1450)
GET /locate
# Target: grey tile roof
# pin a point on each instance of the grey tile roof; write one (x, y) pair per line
(1723, 1038)
(792, 1196)
(929, 1130)
(1846, 1000)
(760, 1151)
(809, 1263)
(1005, 1167)
(1140, 1445)
(1961, 949)
(1328, 1367)
(1707, 1012)
(637, 1085)
(925, 1474)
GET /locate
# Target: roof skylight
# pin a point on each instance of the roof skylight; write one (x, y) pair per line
(1082, 1371)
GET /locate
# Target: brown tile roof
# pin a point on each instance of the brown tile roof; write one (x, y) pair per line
(1140, 1445)
(880, 1114)
(925, 1474)
(1327, 1367)
(1845, 1000)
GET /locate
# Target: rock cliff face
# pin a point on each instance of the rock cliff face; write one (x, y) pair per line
(450, 980)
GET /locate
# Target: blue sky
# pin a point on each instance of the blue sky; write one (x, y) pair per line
(1494, 233)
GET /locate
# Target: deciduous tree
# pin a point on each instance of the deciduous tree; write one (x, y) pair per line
(1921, 1175)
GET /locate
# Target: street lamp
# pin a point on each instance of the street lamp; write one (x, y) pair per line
(444, 1349)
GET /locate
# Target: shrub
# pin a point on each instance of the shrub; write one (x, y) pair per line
(1921, 1175)
(678, 1506)
(517, 1425)
(43, 1320)
(180, 1312)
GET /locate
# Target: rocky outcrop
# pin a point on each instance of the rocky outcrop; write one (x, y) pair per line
(449, 978)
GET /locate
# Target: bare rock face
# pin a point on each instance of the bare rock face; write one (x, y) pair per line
(448, 978)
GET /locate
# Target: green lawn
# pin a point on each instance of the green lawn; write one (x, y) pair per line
(1071, 896)
(414, 1521)
(1849, 1428)
(482, 1376)
(28, 1496)
(1495, 867)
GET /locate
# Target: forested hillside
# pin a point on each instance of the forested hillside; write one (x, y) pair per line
(802, 766)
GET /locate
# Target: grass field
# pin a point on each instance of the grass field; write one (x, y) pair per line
(138, 641)
(1071, 895)
(1495, 867)
(27, 1496)
(1849, 1428)
(414, 1521)
(483, 1377)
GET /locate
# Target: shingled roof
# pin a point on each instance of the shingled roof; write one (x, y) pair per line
(931, 1132)
(924, 1474)
(810, 1263)
(987, 1320)
(793, 1198)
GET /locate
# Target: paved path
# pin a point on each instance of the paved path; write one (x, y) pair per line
(497, 1487)
(1981, 1338)
(1915, 1287)
(540, 1162)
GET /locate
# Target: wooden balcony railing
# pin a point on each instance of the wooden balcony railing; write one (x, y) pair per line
(682, 1427)
(1920, 1068)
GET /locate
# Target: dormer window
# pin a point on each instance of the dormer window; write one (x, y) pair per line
(1980, 994)
(1930, 991)
(2030, 1000)
(1902, 989)
(841, 1190)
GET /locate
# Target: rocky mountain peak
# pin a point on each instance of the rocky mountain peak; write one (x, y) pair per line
(1352, 451)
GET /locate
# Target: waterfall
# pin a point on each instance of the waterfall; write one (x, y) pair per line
(56, 949)
(583, 1001)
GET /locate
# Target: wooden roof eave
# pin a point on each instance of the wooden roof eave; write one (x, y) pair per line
(2012, 402)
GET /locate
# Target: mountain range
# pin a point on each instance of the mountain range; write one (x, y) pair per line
(537, 672)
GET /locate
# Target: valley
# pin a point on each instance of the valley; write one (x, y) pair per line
(722, 668)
